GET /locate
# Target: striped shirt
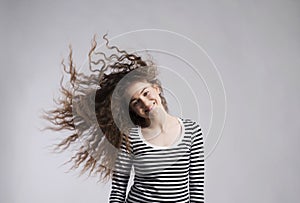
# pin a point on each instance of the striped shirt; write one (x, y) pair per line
(161, 174)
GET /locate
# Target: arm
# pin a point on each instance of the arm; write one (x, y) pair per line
(196, 171)
(121, 174)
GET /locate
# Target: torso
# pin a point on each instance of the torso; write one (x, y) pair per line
(161, 173)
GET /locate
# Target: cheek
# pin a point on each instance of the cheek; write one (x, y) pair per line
(135, 109)
(153, 95)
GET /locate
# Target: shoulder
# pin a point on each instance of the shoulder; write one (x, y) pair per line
(133, 134)
(190, 123)
(193, 128)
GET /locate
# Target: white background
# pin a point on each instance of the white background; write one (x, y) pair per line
(255, 45)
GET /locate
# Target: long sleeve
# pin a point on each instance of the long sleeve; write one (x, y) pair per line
(196, 171)
(121, 174)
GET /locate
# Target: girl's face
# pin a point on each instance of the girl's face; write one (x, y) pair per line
(144, 98)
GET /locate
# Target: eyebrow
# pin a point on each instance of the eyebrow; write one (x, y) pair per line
(140, 93)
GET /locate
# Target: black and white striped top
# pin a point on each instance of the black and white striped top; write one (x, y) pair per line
(161, 174)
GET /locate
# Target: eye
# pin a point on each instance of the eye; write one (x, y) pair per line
(134, 103)
(145, 93)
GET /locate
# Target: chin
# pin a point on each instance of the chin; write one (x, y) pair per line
(154, 112)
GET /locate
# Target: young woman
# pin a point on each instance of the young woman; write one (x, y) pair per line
(125, 129)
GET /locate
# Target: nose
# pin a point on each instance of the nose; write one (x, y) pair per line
(146, 103)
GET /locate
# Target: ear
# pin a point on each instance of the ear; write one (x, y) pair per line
(156, 87)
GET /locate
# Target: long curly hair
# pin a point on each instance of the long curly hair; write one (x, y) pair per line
(85, 109)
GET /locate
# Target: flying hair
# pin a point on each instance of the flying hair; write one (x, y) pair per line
(84, 109)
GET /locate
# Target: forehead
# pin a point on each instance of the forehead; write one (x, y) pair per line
(135, 88)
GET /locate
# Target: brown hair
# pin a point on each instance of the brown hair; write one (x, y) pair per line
(86, 107)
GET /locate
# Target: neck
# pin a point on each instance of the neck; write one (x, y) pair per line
(159, 121)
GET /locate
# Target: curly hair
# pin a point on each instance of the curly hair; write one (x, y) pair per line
(86, 107)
